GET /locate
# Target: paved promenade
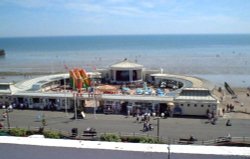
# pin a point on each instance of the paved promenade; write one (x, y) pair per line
(173, 128)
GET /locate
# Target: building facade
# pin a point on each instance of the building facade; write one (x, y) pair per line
(180, 95)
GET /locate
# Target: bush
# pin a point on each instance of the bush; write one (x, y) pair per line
(52, 134)
(139, 139)
(132, 139)
(148, 140)
(110, 137)
(4, 133)
(31, 132)
(18, 132)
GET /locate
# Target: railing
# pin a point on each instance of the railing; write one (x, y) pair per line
(80, 136)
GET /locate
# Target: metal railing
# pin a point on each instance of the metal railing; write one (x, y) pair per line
(163, 140)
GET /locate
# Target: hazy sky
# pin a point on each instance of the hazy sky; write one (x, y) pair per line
(108, 17)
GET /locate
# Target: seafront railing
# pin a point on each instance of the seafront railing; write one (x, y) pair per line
(80, 136)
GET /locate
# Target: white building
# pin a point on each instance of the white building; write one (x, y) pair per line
(126, 72)
(195, 101)
(187, 95)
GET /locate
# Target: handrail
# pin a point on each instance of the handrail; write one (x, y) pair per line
(162, 139)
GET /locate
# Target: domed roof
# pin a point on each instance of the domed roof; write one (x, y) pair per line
(125, 64)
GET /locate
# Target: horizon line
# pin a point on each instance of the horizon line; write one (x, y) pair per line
(102, 35)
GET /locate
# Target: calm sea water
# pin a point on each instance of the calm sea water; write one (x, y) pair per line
(208, 56)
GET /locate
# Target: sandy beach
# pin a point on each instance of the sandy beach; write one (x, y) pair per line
(241, 103)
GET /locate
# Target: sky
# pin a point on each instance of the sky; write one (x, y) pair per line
(21, 18)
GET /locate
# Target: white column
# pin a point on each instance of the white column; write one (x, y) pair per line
(130, 75)
(114, 75)
(139, 74)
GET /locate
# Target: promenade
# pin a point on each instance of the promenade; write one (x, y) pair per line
(170, 128)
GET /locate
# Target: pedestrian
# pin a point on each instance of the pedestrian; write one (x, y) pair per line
(209, 116)
(227, 107)
(151, 127)
(213, 121)
(208, 111)
(228, 123)
(1, 125)
(128, 113)
(137, 118)
(229, 136)
(145, 126)
(231, 107)
(5, 115)
(148, 116)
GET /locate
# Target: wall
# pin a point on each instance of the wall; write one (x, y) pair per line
(196, 108)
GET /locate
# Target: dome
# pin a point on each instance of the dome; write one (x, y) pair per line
(125, 64)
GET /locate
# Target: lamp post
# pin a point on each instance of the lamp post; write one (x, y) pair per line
(75, 107)
(158, 125)
(65, 100)
(95, 97)
(158, 128)
(7, 114)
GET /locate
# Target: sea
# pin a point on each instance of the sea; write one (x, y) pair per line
(214, 57)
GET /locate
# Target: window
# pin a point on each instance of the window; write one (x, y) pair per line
(208, 106)
(188, 105)
(202, 105)
(195, 105)
(182, 105)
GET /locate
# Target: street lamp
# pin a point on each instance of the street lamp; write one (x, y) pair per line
(65, 100)
(158, 125)
(158, 128)
(75, 94)
(7, 115)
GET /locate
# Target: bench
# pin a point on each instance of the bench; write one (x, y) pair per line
(91, 134)
(223, 139)
(186, 141)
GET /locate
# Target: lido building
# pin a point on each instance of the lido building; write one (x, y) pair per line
(122, 87)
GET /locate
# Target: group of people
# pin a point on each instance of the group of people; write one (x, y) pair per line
(147, 126)
(145, 118)
(230, 108)
(212, 117)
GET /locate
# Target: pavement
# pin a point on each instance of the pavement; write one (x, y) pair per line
(17, 151)
(170, 128)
